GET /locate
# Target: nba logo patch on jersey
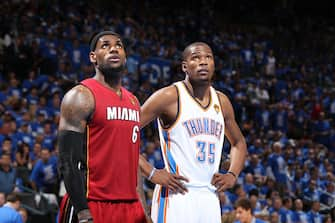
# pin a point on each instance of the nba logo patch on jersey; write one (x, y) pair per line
(217, 108)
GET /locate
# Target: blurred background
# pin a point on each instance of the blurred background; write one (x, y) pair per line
(274, 59)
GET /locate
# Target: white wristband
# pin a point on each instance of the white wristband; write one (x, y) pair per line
(152, 173)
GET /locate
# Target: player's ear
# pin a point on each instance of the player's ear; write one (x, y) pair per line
(93, 57)
(184, 66)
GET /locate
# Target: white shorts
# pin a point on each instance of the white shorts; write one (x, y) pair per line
(198, 205)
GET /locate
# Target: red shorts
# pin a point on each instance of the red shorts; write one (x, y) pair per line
(105, 211)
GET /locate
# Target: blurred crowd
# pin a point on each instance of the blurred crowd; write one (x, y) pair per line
(280, 79)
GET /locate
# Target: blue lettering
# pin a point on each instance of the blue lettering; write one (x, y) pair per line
(193, 127)
(187, 128)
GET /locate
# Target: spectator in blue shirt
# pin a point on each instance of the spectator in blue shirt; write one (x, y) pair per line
(248, 184)
(277, 164)
(300, 215)
(7, 174)
(286, 215)
(225, 204)
(24, 213)
(44, 174)
(280, 118)
(9, 212)
(255, 167)
(314, 215)
(311, 192)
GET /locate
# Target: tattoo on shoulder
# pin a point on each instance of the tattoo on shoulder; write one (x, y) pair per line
(77, 106)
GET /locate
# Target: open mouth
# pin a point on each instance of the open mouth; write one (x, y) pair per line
(203, 71)
(114, 58)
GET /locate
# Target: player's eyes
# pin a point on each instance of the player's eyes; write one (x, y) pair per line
(104, 46)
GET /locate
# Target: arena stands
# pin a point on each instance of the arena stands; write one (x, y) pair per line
(280, 77)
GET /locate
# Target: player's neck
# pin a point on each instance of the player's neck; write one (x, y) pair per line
(113, 83)
(198, 90)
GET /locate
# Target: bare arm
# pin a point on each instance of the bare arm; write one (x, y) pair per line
(162, 104)
(238, 150)
(76, 107)
(141, 195)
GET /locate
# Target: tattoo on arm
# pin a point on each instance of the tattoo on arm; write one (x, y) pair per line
(76, 108)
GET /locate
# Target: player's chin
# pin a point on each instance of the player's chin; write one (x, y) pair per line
(117, 66)
(204, 80)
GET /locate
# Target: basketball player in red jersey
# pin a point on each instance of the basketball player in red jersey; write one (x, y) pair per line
(99, 142)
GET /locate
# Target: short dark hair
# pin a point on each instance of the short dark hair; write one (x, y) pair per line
(187, 48)
(243, 203)
(95, 37)
(12, 197)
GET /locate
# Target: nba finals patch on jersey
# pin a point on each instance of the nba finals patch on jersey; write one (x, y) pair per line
(217, 108)
(132, 101)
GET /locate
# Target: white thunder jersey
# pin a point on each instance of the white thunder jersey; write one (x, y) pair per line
(192, 148)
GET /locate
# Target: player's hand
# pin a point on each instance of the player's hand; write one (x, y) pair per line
(223, 182)
(148, 218)
(169, 180)
(84, 216)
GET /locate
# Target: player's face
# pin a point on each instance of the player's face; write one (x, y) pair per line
(199, 63)
(109, 55)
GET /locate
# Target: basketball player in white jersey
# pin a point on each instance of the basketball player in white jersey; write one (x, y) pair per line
(193, 118)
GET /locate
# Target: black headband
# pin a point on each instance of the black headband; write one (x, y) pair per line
(94, 39)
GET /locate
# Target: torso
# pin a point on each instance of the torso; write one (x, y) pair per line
(192, 145)
(112, 144)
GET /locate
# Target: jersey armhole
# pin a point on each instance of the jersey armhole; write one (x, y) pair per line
(220, 104)
(167, 127)
(90, 117)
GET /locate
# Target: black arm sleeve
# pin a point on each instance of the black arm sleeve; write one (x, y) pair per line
(70, 146)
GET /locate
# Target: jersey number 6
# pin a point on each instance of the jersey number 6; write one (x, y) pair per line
(134, 137)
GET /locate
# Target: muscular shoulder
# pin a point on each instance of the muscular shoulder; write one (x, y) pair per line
(222, 97)
(225, 104)
(162, 103)
(76, 107)
(79, 97)
(166, 95)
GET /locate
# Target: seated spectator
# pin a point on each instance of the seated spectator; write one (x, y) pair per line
(24, 214)
(248, 184)
(225, 204)
(35, 154)
(23, 164)
(314, 214)
(2, 198)
(311, 192)
(299, 214)
(7, 174)
(244, 213)
(9, 212)
(255, 167)
(286, 215)
(274, 217)
(256, 206)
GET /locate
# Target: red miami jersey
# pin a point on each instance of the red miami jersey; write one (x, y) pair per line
(113, 142)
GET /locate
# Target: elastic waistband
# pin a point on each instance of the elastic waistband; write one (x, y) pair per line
(207, 187)
(113, 201)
